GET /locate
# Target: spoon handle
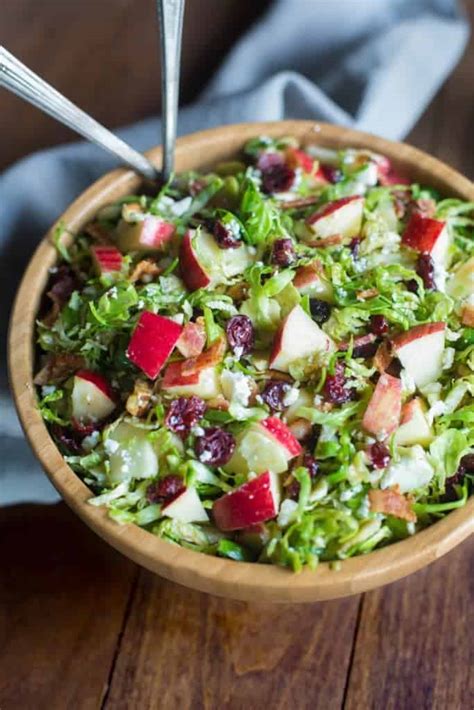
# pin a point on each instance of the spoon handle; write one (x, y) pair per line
(16, 77)
(171, 27)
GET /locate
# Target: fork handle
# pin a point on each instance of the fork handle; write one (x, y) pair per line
(16, 77)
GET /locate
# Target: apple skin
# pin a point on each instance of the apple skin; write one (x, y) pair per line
(151, 234)
(309, 280)
(202, 383)
(422, 233)
(193, 274)
(297, 337)
(279, 431)
(106, 259)
(152, 342)
(254, 502)
(420, 350)
(92, 397)
(342, 217)
(299, 159)
(382, 415)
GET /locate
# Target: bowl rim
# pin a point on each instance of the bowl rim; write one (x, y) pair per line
(222, 577)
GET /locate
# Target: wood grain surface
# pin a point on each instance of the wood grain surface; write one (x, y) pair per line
(80, 628)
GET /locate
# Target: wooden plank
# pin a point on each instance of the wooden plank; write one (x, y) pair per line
(415, 646)
(63, 595)
(182, 649)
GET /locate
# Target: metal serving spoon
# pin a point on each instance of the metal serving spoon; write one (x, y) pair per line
(23, 82)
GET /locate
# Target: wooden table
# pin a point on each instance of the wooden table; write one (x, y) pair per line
(82, 627)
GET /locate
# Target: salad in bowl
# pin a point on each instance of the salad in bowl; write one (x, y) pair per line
(271, 361)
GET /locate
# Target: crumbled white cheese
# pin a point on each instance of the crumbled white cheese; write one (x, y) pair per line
(47, 389)
(89, 442)
(448, 358)
(408, 383)
(197, 431)
(236, 387)
(178, 318)
(181, 206)
(287, 510)
(451, 336)
(290, 396)
(436, 410)
(205, 456)
(111, 446)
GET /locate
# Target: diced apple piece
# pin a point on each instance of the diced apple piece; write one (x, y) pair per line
(265, 445)
(342, 217)
(305, 399)
(420, 350)
(186, 507)
(192, 340)
(382, 415)
(149, 234)
(429, 236)
(203, 263)
(106, 259)
(309, 281)
(461, 284)
(297, 337)
(131, 453)
(254, 502)
(410, 471)
(296, 158)
(92, 397)
(202, 383)
(152, 342)
(281, 435)
(414, 427)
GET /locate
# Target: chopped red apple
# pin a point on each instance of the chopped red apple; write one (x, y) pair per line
(387, 174)
(152, 342)
(382, 415)
(342, 217)
(203, 263)
(429, 236)
(186, 507)
(414, 427)
(202, 383)
(92, 397)
(254, 502)
(149, 234)
(131, 453)
(309, 280)
(299, 159)
(265, 445)
(192, 340)
(106, 259)
(420, 350)
(297, 337)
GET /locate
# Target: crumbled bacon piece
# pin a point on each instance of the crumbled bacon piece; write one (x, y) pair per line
(138, 402)
(58, 367)
(467, 315)
(211, 356)
(425, 207)
(391, 502)
(331, 241)
(382, 358)
(301, 429)
(299, 204)
(192, 340)
(146, 270)
(368, 293)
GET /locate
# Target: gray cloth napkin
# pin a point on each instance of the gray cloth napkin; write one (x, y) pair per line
(371, 64)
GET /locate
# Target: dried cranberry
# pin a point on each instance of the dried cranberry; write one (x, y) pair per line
(283, 252)
(379, 455)
(331, 173)
(269, 160)
(277, 178)
(293, 489)
(320, 310)
(69, 439)
(395, 368)
(354, 246)
(240, 334)
(412, 285)
(311, 464)
(366, 349)
(378, 325)
(226, 236)
(425, 269)
(184, 413)
(215, 447)
(166, 489)
(335, 389)
(466, 465)
(274, 393)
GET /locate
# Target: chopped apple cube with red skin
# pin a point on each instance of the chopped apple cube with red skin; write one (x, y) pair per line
(299, 159)
(192, 340)
(150, 234)
(297, 337)
(414, 427)
(186, 507)
(382, 415)
(193, 272)
(342, 217)
(309, 281)
(202, 383)
(254, 502)
(152, 342)
(92, 397)
(420, 350)
(429, 236)
(280, 432)
(106, 259)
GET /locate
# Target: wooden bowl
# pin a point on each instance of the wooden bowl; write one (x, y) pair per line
(223, 577)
